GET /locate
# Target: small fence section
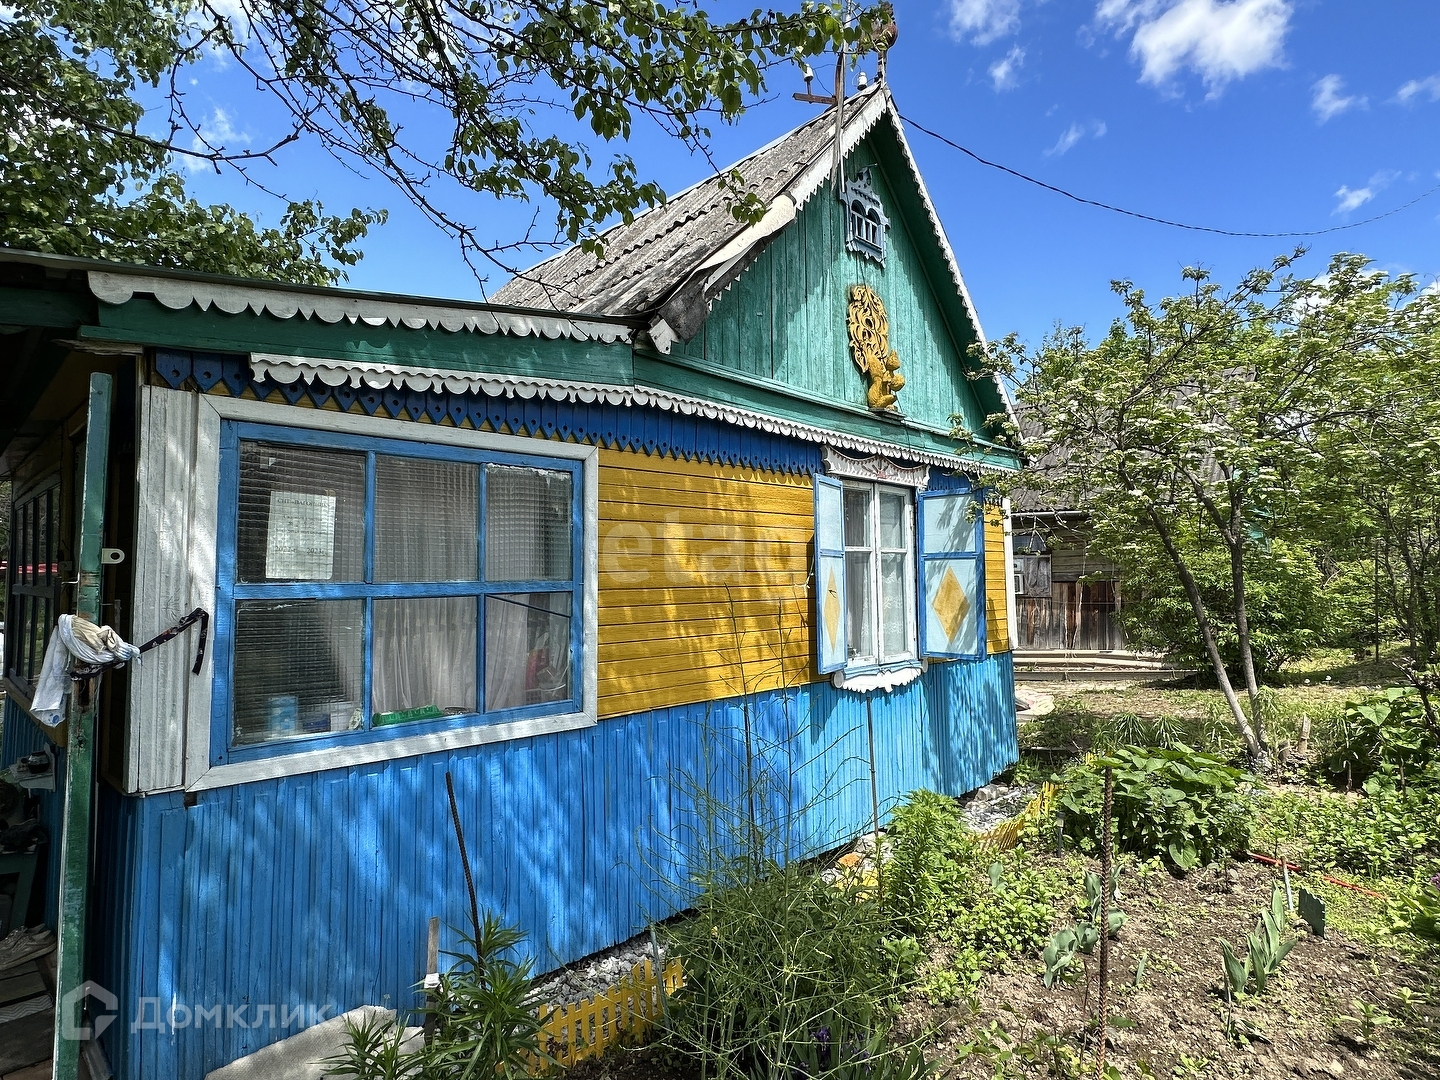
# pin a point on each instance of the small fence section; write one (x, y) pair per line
(584, 1029)
(1006, 835)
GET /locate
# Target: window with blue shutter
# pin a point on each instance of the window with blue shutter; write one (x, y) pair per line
(830, 601)
(952, 619)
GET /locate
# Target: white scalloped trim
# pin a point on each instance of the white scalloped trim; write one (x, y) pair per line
(178, 294)
(355, 373)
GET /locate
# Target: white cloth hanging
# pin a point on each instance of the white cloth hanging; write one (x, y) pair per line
(81, 640)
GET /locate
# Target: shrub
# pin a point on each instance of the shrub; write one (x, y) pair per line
(780, 968)
(1388, 730)
(941, 882)
(1177, 802)
(1384, 830)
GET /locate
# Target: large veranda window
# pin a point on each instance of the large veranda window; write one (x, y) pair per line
(373, 588)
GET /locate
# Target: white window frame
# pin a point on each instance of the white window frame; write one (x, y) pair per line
(169, 743)
(910, 655)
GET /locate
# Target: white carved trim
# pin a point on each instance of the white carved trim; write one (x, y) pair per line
(178, 294)
(886, 679)
(879, 469)
(289, 369)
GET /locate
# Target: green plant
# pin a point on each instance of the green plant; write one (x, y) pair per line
(774, 957)
(483, 1013)
(1061, 955)
(939, 882)
(1388, 731)
(1386, 830)
(1268, 947)
(1370, 1018)
(1416, 911)
(1177, 802)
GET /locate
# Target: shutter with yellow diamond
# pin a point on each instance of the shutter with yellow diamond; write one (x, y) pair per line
(952, 617)
(830, 637)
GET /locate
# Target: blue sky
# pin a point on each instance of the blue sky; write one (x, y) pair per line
(1249, 115)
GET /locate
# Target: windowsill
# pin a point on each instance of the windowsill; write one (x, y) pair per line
(882, 677)
(347, 755)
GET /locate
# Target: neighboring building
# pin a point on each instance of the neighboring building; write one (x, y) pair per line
(567, 557)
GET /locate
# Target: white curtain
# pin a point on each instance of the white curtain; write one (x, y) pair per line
(424, 653)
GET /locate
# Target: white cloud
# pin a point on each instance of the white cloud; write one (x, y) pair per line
(982, 21)
(217, 133)
(1073, 134)
(1330, 99)
(1353, 198)
(1005, 72)
(1221, 40)
(1429, 87)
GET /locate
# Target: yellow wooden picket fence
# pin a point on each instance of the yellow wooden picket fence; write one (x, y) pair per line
(1006, 835)
(625, 1012)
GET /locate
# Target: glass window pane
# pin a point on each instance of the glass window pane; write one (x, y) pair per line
(829, 518)
(527, 649)
(424, 658)
(298, 666)
(859, 604)
(302, 514)
(857, 517)
(893, 638)
(892, 520)
(528, 522)
(427, 520)
(949, 525)
(26, 569)
(42, 538)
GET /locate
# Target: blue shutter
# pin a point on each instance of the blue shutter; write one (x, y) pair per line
(952, 579)
(830, 638)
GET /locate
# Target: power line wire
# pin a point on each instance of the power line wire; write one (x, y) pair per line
(1151, 217)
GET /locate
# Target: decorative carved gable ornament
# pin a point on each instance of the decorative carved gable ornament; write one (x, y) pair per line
(865, 220)
(870, 347)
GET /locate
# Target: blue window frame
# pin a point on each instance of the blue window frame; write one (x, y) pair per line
(369, 589)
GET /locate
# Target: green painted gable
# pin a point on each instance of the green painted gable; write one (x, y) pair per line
(783, 322)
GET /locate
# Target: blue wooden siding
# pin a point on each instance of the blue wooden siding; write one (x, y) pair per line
(23, 736)
(314, 891)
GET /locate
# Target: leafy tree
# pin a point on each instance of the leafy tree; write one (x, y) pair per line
(1195, 420)
(1376, 479)
(77, 179)
(438, 96)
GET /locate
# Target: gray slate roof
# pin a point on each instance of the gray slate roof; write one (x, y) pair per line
(646, 260)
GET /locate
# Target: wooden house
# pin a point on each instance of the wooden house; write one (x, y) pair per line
(651, 545)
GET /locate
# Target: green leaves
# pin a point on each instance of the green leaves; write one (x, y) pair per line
(1268, 946)
(1175, 801)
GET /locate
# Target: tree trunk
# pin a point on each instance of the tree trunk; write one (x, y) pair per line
(1236, 544)
(1253, 746)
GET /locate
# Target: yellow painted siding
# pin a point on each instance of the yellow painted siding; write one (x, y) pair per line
(997, 604)
(703, 581)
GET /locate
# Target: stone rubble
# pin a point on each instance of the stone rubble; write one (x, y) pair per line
(997, 803)
(596, 974)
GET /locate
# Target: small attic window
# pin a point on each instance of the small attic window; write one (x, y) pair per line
(865, 220)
